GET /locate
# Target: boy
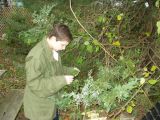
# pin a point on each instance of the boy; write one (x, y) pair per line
(45, 74)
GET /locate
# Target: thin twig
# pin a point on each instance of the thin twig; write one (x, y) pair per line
(148, 98)
(128, 101)
(79, 21)
(101, 45)
(131, 98)
(153, 61)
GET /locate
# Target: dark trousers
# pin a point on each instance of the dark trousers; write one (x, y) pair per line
(57, 116)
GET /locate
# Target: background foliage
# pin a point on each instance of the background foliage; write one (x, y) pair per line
(122, 51)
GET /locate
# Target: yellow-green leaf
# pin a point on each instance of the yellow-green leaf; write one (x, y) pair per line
(147, 34)
(157, 3)
(116, 43)
(129, 109)
(132, 104)
(153, 68)
(145, 69)
(142, 81)
(119, 17)
(146, 74)
(152, 81)
(96, 42)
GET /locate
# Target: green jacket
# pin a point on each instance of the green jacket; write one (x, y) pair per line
(45, 77)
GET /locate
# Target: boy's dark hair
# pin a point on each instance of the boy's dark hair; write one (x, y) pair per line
(61, 32)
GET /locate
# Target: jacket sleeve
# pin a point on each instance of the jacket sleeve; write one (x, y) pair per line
(68, 70)
(40, 85)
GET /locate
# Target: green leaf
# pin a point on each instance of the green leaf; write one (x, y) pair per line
(125, 73)
(97, 49)
(86, 43)
(121, 58)
(157, 3)
(129, 109)
(152, 81)
(29, 41)
(110, 40)
(95, 42)
(90, 48)
(153, 68)
(108, 34)
(110, 37)
(80, 60)
(101, 19)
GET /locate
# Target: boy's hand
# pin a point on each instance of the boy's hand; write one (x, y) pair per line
(69, 79)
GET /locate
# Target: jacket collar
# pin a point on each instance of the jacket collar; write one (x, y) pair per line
(45, 45)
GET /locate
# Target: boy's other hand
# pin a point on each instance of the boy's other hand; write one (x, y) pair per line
(69, 79)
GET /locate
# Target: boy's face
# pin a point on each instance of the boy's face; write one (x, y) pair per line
(56, 44)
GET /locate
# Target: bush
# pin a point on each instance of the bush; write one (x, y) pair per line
(17, 22)
(43, 22)
(106, 91)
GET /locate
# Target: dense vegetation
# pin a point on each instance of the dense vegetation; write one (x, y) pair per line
(116, 47)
